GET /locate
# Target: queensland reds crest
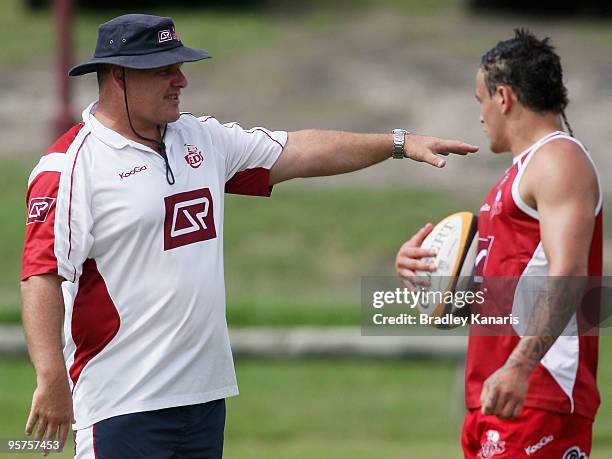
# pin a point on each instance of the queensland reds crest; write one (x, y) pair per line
(493, 446)
(574, 453)
(194, 156)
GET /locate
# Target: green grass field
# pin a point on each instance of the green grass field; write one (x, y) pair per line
(329, 409)
(323, 409)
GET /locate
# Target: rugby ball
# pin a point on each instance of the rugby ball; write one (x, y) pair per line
(455, 241)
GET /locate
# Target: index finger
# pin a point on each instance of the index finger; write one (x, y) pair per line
(488, 399)
(483, 394)
(455, 146)
(490, 404)
(32, 418)
(417, 239)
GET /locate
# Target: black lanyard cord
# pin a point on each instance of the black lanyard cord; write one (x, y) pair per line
(160, 143)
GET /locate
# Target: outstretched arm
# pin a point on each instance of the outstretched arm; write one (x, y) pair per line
(312, 153)
(563, 186)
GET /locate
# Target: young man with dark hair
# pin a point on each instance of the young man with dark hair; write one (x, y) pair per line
(534, 391)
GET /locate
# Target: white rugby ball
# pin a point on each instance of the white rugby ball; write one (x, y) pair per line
(455, 241)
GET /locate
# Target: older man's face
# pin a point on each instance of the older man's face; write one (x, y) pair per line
(154, 94)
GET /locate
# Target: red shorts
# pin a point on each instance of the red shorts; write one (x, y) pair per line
(536, 433)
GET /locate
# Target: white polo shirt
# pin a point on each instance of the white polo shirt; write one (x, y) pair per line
(145, 320)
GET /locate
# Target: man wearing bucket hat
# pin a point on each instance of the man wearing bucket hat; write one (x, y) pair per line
(124, 241)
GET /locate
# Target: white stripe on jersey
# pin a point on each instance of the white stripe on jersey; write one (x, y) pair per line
(529, 153)
(52, 162)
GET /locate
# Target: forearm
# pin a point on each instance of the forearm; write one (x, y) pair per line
(43, 316)
(557, 302)
(333, 152)
(314, 152)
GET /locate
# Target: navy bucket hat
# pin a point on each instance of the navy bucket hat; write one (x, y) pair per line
(139, 41)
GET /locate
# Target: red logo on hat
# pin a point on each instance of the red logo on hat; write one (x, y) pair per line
(194, 156)
(39, 209)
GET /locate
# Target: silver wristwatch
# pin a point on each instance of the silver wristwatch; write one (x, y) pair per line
(399, 137)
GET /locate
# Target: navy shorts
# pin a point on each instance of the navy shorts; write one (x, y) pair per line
(184, 432)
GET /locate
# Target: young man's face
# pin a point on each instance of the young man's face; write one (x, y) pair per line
(154, 94)
(490, 114)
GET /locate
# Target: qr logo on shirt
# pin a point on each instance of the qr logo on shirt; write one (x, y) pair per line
(189, 218)
(38, 209)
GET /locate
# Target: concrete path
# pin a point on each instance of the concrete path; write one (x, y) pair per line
(297, 342)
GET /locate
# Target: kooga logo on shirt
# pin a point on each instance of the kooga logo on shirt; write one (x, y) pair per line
(132, 172)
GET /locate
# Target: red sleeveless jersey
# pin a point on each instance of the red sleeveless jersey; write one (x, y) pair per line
(510, 245)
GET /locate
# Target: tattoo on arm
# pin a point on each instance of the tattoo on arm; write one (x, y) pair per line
(557, 302)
